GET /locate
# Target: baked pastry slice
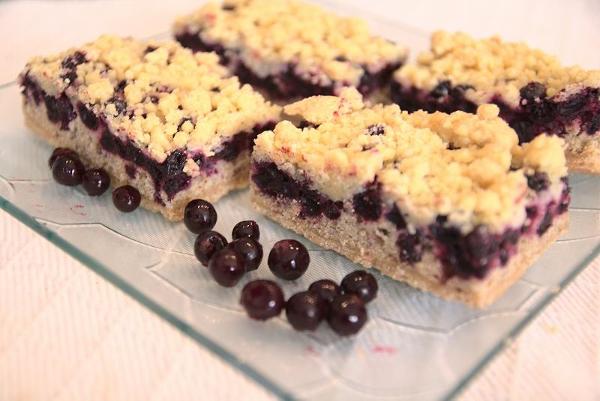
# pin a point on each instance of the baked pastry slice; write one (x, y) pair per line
(535, 93)
(290, 49)
(156, 116)
(448, 203)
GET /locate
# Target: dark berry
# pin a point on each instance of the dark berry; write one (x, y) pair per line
(288, 259)
(95, 181)
(538, 181)
(246, 228)
(61, 152)
(199, 216)
(126, 198)
(67, 170)
(327, 290)
(360, 283)
(305, 310)
(87, 116)
(396, 218)
(249, 250)
(532, 91)
(333, 210)
(545, 223)
(262, 299)
(367, 204)
(410, 247)
(226, 267)
(442, 89)
(347, 314)
(375, 129)
(207, 244)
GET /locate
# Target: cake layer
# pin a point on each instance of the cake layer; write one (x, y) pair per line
(290, 49)
(534, 92)
(452, 198)
(166, 114)
(371, 247)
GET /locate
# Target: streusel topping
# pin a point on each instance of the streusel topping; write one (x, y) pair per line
(160, 95)
(269, 35)
(464, 166)
(491, 67)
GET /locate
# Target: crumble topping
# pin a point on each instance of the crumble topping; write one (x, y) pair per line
(269, 35)
(160, 95)
(491, 67)
(468, 167)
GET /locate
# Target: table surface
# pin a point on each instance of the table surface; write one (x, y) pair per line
(67, 334)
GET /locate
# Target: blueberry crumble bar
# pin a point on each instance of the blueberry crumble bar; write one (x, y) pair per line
(534, 92)
(170, 122)
(290, 49)
(449, 203)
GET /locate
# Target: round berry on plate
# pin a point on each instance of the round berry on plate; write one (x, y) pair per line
(250, 251)
(347, 314)
(207, 244)
(67, 170)
(226, 267)
(262, 299)
(126, 198)
(326, 289)
(288, 259)
(199, 216)
(61, 152)
(95, 181)
(362, 284)
(305, 310)
(246, 228)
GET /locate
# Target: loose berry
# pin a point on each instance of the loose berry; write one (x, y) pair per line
(199, 216)
(226, 267)
(305, 310)
(61, 152)
(347, 314)
(327, 290)
(95, 181)
(247, 228)
(207, 244)
(249, 250)
(126, 198)
(360, 283)
(288, 259)
(262, 299)
(67, 170)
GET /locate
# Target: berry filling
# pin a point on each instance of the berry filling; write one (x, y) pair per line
(470, 255)
(537, 113)
(288, 84)
(167, 176)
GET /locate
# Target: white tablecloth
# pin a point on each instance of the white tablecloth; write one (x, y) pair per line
(66, 334)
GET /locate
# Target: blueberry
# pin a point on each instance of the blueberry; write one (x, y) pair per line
(362, 284)
(410, 247)
(61, 152)
(347, 314)
(367, 204)
(246, 228)
(442, 89)
(305, 310)
(95, 181)
(87, 116)
(67, 170)
(199, 216)
(396, 218)
(207, 244)
(538, 181)
(327, 290)
(249, 250)
(532, 91)
(288, 259)
(126, 198)
(262, 299)
(226, 267)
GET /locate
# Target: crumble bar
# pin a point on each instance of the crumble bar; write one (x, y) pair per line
(449, 203)
(290, 49)
(170, 122)
(535, 93)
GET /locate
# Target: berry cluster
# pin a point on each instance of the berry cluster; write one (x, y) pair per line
(67, 169)
(343, 306)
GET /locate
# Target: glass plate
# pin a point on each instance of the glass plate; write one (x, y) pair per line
(414, 347)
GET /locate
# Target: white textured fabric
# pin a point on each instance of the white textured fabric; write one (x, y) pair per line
(66, 334)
